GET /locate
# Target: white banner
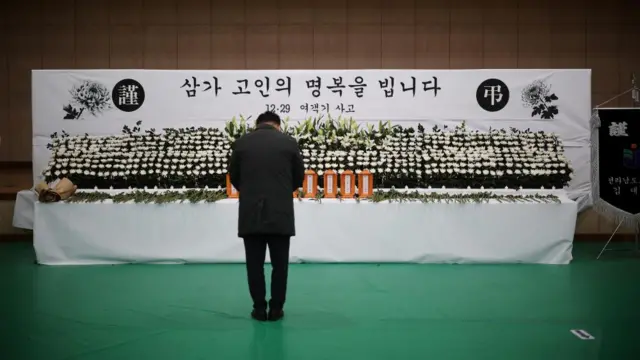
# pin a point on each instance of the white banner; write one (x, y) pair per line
(101, 102)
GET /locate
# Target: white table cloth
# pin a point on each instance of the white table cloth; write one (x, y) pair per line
(330, 231)
(23, 209)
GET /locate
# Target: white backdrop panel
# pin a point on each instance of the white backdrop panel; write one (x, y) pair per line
(172, 99)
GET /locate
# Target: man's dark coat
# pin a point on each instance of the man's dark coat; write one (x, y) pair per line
(266, 167)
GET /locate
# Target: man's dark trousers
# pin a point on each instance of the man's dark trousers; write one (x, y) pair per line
(255, 248)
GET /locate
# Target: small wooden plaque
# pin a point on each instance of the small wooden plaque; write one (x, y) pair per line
(330, 184)
(231, 191)
(310, 184)
(348, 184)
(365, 184)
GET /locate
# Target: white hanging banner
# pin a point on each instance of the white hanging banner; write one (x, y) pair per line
(101, 102)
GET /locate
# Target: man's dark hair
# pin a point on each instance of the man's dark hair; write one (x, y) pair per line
(268, 117)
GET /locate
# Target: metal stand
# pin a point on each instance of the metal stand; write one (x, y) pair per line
(635, 250)
(608, 241)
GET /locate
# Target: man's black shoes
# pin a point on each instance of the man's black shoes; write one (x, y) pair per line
(272, 315)
(275, 314)
(260, 315)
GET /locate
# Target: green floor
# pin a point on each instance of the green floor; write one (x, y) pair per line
(334, 311)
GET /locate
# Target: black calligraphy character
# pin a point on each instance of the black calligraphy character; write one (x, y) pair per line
(315, 85)
(406, 88)
(387, 85)
(284, 85)
(215, 86)
(359, 86)
(337, 86)
(191, 88)
(242, 88)
(432, 85)
(259, 84)
(128, 95)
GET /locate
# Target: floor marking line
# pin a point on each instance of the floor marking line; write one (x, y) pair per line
(582, 334)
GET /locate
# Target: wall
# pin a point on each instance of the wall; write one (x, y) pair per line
(268, 34)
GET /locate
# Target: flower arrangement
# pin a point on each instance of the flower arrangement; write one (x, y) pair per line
(177, 158)
(397, 156)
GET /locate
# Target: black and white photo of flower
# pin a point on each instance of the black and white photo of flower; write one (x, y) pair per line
(89, 96)
(539, 97)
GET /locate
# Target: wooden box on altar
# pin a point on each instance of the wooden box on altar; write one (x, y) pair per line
(347, 184)
(365, 184)
(231, 191)
(330, 184)
(310, 184)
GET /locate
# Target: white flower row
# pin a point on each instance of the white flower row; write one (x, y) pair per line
(194, 172)
(206, 152)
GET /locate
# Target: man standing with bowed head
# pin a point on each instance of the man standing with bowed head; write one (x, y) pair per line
(266, 167)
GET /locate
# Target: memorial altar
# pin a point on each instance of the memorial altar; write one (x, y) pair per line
(148, 151)
(331, 230)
